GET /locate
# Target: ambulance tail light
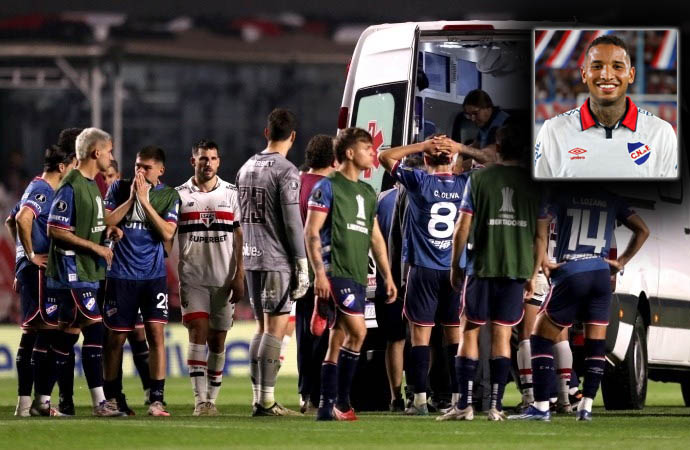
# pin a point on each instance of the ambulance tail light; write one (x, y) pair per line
(468, 27)
(342, 118)
(613, 254)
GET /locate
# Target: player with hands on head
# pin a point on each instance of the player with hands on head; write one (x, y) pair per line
(433, 205)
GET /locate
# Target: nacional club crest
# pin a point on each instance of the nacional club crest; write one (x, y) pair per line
(207, 218)
(639, 152)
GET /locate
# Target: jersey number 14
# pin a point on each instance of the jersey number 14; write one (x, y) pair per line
(579, 231)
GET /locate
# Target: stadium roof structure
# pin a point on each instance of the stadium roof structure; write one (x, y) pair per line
(71, 50)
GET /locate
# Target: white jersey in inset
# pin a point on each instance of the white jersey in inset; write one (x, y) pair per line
(205, 233)
(574, 144)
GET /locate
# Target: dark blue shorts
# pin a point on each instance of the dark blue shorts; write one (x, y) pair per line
(584, 295)
(430, 298)
(390, 320)
(77, 300)
(38, 303)
(124, 299)
(498, 300)
(349, 296)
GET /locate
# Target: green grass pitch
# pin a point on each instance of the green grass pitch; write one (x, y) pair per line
(665, 423)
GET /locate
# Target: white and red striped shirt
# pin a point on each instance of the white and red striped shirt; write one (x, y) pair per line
(205, 233)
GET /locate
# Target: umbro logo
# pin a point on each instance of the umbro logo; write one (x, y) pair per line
(577, 153)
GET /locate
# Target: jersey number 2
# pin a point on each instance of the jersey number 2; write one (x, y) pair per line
(580, 229)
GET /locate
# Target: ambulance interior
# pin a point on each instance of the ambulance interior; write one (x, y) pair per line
(448, 67)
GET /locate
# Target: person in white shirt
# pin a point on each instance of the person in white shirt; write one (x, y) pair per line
(608, 136)
(211, 271)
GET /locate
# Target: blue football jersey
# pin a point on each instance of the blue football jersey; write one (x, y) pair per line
(384, 215)
(38, 196)
(433, 206)
(321, 199)
(585, 223)
(139, 254)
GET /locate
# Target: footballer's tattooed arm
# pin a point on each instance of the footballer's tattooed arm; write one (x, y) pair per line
(460, 235)
(389, 157)
(640, 234)
(378, 248)
(315, 221)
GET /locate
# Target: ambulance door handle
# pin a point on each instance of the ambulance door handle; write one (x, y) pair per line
(687, 230)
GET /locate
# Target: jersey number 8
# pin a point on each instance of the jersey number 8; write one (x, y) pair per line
(446, 218)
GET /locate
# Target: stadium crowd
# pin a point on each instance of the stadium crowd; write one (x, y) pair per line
(456, 245)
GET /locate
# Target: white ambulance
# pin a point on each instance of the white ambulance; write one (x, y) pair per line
(406, 81)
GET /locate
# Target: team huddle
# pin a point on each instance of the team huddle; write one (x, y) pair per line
(454, 246)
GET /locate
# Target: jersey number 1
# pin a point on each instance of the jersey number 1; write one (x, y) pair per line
(580, 229)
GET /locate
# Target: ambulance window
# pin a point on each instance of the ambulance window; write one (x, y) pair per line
(381, 110)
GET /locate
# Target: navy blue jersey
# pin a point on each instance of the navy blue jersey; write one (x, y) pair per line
(139, 254)
(384, 214)
(585, 222)
(433, 206)
(63, 215)
(38, 196)
(321, 199)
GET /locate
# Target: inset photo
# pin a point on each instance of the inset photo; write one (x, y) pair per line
(606, 104)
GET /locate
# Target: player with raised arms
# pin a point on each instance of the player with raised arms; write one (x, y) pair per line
(340, 230)
(585, 217)
(147, 212)
(433, 202)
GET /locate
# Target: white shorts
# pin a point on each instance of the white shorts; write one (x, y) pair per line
(210, 302)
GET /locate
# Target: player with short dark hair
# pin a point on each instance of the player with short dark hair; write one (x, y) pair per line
(608, 136)
(77, 260)
(27, 224)
(585, 219)
(280, 125)
(211, 271)
(433, 205)
(274, 255)
(499, 209)
(147, 211)
(311, 349)
(341, 228)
